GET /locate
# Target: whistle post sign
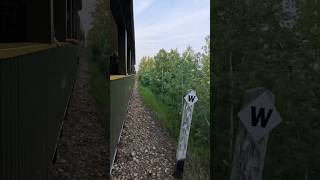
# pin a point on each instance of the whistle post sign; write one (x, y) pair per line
(260, 116)
(190, 99)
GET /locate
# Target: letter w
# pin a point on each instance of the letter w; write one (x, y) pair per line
(255, 118)
(191, 98)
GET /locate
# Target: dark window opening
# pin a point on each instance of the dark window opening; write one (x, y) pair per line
(25, 21)
(60, 19)
(12, 21)
(69, 19)
(73, 19)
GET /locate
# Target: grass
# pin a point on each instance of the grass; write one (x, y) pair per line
(198, 165)
(161, 110)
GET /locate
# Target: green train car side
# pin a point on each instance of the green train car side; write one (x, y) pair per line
(41, 42)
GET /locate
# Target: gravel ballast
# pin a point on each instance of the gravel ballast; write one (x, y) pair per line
(146, 150)
(82, 149)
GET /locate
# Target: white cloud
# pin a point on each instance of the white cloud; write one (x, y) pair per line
(88, 7)
(173, 24)
(141, 5)
(176, 28)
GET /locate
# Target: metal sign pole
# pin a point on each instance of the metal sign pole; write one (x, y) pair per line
(186, 119)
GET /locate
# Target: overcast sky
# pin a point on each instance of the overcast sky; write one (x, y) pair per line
(170, 24)
(85, 14)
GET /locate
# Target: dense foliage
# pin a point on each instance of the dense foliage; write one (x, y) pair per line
(251, 49)
(98, 36)
(169, 75)
(98, 52)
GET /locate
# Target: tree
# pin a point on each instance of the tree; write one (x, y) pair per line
(169, 75)
(251, 49)
(98, 36)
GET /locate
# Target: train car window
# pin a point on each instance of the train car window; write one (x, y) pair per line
(114, 47)
(12, 21)
(122, 39)
(72, 19)
(25, 21)
(60, 19)
(114, 64)
(128, 58)
(69, 19)
(39, 21)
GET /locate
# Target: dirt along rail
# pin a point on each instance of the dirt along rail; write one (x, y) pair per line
(146, 150)
(82, 151)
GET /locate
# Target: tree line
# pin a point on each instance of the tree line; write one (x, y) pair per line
(253, 46)
(169, 75)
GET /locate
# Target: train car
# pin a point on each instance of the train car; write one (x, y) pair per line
(40, 41)
(122, 69)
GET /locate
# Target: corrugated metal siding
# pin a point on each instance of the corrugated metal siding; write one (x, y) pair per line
(120, 90)
(34, 91)
(10, 158)
(33, 113)
(61, 76)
